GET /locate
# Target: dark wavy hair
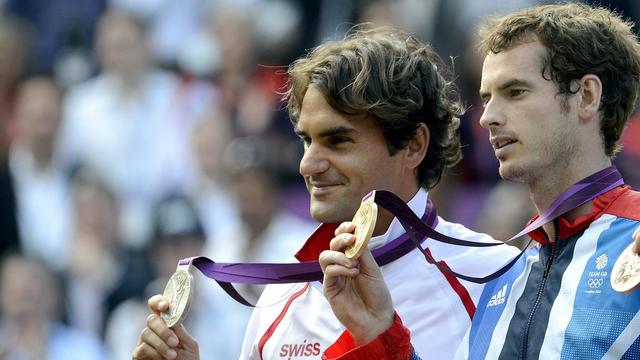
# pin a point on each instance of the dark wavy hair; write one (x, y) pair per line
(396, 79)
(579, 40)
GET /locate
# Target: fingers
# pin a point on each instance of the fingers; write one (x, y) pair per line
(158, 326)
(345, 227)
(335, 264)
(158, 303)
(336, 259)
(186, 339)
(343, 239)
(333, 272)
(149, 349)
(157, 341)
(144, 351)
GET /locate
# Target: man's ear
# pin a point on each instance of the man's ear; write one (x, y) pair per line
(590, 95)
(417, 146)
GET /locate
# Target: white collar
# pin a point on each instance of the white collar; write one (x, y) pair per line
(417, 204)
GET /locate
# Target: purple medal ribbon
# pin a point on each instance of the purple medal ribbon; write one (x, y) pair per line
(282, 273)
(583, 191)
(263, 273)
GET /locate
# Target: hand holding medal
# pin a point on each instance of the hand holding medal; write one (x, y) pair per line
(350, 272)
(164, 337)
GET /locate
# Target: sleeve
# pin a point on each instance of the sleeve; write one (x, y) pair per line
(393, 344)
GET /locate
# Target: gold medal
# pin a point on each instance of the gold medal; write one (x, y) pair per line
(625, 276)
(365, 221)
(179, 291)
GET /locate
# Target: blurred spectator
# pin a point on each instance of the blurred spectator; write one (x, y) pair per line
(628, 161)
(102, 272)
(270, 233)
(132, 122)
(41, 184)
(414, 16)
(209, 187)
(247, 95)
(63, 35)
(180, 234)
(14, 57)
(239, 195)
(173, 25)
(274, 29)
(505, 211)
(249, 86)
(280, 30)
(29, 313)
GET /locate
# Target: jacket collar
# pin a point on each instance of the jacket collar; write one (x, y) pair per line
(568, 228)
(319, 240)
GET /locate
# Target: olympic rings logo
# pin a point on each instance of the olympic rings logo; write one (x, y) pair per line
(595, 283)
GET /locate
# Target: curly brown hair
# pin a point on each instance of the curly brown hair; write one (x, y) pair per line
(579, 40)
(396, 79)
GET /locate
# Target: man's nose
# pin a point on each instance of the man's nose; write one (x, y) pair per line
(313, 161)
(492, 115)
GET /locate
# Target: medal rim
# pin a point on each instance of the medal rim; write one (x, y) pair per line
(354, 250)
(625, 256)
(184, 309)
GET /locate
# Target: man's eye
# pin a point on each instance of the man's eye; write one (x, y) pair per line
(337, 140)
(305, 141)
(516, 92)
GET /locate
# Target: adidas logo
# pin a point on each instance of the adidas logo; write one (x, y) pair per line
(498, 298)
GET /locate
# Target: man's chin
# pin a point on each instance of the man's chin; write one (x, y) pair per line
(323, 217)
(505, 171)
(328, 214)
(509, 171)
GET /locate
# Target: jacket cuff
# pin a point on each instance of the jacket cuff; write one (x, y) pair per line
(393, 344)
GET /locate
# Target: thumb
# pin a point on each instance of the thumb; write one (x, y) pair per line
(158, 303)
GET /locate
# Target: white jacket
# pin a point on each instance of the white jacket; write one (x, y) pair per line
(295, 321)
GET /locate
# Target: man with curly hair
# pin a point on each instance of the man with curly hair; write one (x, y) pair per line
(374, 112)
(559, 82)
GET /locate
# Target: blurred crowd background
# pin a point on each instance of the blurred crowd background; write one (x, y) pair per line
(134, 133)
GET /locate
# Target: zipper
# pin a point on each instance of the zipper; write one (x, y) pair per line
(547, 267)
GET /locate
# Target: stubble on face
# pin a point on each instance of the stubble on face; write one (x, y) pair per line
(550, 154)
(335, 211)
(529, 109)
